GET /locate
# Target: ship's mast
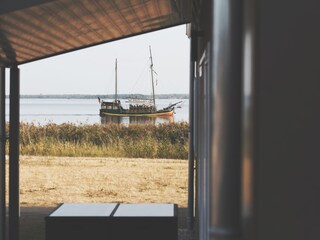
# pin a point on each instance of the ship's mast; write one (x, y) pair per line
(151, 69)
(116, 82)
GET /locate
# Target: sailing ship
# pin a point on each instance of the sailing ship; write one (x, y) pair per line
(147, 109)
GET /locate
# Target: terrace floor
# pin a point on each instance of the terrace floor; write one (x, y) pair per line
(32, 224)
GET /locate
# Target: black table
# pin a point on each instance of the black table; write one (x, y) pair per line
(111, 221)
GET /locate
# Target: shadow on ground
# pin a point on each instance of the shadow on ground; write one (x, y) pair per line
(32, 224)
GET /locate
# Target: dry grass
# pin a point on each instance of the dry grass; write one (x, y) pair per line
(48, 181)
(111, 140)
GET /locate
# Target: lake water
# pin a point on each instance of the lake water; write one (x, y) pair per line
(86, 111)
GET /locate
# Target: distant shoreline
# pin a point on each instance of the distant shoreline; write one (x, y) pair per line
(104, 96)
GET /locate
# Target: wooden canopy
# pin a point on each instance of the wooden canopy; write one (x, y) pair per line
(36, 29)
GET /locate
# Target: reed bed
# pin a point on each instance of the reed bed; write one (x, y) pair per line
(111, 140)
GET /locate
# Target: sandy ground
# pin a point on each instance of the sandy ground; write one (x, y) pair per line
(46, 182)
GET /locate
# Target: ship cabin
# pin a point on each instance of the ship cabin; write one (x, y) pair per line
(115, 105)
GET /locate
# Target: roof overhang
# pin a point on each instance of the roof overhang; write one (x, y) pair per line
(35, 29)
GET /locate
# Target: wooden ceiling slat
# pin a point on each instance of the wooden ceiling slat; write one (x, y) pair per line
(21, 30)
(123, 19)
(21, 50)
(97, 14)
(44, 17)
(12, 57)
(157, 9)
(134, 11)
(140, 4)
(73, 24)
(58, 22)
(89, 21)
(15, 34)
(106, 10)
(165, 7)
(36, 29)
(19, 43)
(52, 32)
(151, 9)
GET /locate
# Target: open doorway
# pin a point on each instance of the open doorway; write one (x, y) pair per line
(78, 163)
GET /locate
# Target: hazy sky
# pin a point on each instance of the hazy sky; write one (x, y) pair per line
(91, 71)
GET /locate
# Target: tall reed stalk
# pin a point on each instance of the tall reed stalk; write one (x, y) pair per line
(112, 140)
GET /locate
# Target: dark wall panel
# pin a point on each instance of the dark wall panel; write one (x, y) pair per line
(288, 119)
